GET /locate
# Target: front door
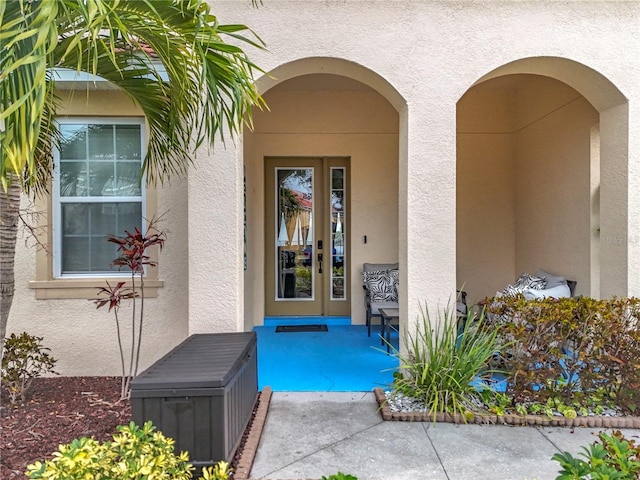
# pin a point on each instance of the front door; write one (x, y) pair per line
(307, 228)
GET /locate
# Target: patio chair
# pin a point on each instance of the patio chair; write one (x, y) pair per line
(381, 292)
(381, 289)
(461, 308)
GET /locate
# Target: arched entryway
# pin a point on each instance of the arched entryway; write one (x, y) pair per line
(542, 178)
(324, 158)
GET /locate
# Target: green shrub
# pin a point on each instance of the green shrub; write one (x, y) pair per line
(573, 349)
(24, 359)
(442, 362)
(340, 476)
(134, 453)
(220, 471)
(615, 458)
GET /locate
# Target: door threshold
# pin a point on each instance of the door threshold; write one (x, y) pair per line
(305, 320)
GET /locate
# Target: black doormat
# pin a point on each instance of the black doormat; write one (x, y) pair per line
(301, 328)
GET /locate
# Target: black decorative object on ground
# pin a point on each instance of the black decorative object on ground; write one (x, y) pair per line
(301, 328)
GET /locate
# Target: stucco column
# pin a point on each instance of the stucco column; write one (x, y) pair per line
(428, 203)
(633, 248)
(615, 239)
(216, 240)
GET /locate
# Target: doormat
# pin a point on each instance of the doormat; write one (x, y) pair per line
(301, 328)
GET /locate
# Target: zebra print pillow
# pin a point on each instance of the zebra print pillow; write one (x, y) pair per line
(382, 285)
(525, 281)
(395, 276)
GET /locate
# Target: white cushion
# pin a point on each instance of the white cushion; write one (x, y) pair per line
(376, 306)
(559, 291)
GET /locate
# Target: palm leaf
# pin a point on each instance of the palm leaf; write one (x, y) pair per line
(136, 46)
(26, 36)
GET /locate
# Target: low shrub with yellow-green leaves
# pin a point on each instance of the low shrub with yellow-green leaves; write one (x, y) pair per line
(134, 453)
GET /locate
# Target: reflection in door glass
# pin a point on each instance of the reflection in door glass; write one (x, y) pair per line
(294, 252)
(338, 234)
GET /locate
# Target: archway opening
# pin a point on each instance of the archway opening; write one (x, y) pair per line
(537, 173)
(328, 111)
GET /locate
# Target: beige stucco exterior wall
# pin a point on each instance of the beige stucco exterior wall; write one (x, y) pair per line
(525, 180)
(422, 57)
(485, 213)
(81, 338)
(439, 51)
(359, 124)
(553, 194)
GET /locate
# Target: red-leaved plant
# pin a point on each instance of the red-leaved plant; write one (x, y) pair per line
(133, 247)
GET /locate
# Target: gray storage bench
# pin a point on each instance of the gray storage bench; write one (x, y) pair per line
(201, 394)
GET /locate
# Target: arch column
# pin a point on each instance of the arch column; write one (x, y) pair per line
(216, 239)
(614, 197)
(429, 202)
(632, 143)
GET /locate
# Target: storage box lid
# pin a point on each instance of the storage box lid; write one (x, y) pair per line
(201, 361)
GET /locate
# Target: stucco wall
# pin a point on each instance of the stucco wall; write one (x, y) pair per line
(443, 49)
(356, 123)
(525, 181)
(422, 57)
(553, 185)
(485, 211)
(82, 338)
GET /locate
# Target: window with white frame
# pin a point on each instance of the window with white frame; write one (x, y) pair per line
(96, 192)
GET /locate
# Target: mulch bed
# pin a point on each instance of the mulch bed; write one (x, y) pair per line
(60, 409)
(56, 411)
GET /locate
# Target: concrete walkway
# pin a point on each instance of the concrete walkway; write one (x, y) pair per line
(308, 435)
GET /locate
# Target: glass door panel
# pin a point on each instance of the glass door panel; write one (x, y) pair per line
(293, 254)
(294, 251)
(338, 234)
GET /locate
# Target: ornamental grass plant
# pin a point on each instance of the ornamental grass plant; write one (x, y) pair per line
(444, 360)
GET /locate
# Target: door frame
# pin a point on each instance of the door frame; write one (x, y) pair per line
(323, 303)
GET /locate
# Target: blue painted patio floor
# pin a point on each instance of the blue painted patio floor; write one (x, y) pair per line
(343, 359)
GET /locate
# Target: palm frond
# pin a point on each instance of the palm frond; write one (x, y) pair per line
(27, 35)
(210, 82)
(169, 56)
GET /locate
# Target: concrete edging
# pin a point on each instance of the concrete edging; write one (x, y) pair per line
(508, 419)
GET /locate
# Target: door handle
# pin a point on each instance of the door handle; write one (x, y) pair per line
(319, 263)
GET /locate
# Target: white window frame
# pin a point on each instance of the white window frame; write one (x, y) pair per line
(345, 231)
(57, 200)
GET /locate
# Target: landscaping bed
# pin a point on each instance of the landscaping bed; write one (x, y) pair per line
(597, 421)
(60, 409)
(56, 411)
(558, 362)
